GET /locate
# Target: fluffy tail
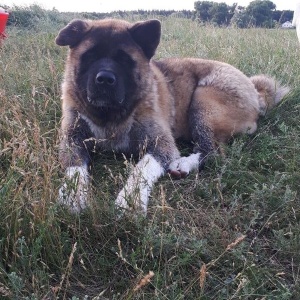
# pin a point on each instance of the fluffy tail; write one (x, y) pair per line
(270, 92)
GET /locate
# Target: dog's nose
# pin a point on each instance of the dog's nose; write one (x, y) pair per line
(106, 78)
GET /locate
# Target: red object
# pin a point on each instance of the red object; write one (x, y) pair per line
(3, 20)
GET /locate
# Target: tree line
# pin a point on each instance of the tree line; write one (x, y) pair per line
(259, 13)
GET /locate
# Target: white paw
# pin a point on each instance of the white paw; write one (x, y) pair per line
(73, 193)
(132, 198)
(182, 166)
(135, 194)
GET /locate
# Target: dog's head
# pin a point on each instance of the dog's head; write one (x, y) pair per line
(108, 63)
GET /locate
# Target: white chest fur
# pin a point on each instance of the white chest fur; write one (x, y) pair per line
(110, 137)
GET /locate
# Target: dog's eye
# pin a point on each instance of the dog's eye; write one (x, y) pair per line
(93, 54)
(89, 56)
(123, 58)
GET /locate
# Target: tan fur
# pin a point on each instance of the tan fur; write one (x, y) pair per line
(270, 92)
(229, 89)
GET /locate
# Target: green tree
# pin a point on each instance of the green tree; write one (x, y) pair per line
(219, 13)
(282, 16)
(241, 18)
(261, 13)
(203, 10)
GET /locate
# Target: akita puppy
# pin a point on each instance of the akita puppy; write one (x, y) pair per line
(116, 97)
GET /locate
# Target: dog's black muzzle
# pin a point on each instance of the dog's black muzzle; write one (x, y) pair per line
(105, 86)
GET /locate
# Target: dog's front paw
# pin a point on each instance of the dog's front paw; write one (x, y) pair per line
(135, 194)
(182, 166)
(121, 202)
(73, 193)
(132, 198)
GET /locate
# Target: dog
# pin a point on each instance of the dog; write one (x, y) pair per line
(116, 97)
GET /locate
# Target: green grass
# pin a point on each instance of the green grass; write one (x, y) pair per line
(188, 237)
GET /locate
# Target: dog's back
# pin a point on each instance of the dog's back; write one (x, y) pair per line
(220, 97)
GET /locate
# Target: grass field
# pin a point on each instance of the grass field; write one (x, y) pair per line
(230, 232)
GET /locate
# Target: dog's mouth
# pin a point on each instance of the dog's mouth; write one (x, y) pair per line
(106, 106)
(106, 101)
(105, 97)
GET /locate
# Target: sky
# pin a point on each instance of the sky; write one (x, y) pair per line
(112, 5)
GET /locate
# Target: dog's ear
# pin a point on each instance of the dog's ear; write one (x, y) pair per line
(72, 34)
(147, 35)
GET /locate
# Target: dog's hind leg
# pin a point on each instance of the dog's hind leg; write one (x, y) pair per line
(203, 147)
(215, 115)
(202, 134)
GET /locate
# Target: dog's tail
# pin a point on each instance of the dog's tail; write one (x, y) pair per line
(271, 92)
